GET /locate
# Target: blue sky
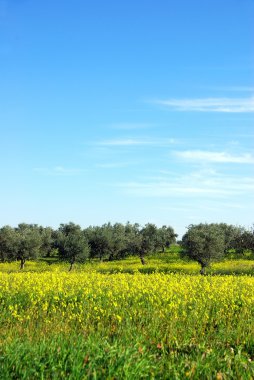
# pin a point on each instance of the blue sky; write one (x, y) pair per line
(118, 111)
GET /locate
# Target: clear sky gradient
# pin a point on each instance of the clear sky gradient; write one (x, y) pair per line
(118, 111)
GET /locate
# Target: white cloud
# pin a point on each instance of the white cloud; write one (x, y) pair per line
(198, 184)
(171, 189)
(230, 105)
(216, 157)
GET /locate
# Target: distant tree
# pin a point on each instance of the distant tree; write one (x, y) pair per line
(248, 239)
(72, 244)
(47, 241)
(140, 240)
(28, 243)
(8, 244)
(245, 241)
(165, 236)
(98, 242)
(231, 235)
(204, 243)
(116, 240)
(148, 240)
(133, 239)
(107, 241)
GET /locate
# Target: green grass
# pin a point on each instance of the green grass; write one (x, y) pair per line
(125, 356)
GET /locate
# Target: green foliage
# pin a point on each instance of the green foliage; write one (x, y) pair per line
(72, 244)
(106, 242)
(165, 236)
(114, 242)
(8, 244)
(97, 241)
(144, 240)
(28, 243)
(47, 241)
(204, 243)
(245, 241)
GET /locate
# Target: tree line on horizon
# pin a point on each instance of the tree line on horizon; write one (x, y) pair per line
(73, 244)
(202, 242)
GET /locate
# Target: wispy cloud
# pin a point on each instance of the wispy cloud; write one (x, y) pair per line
(216, 157)
(59, 171)
(227, 105)
(211, 206)
(137, 141)
(191, 186)
(169, 189)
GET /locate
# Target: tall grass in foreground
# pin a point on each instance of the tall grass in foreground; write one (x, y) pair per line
(88, 325)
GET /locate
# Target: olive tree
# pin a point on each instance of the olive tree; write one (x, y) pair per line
(72, 244)
(47, 241)
(28, 243)
(204, 243)
(164, 237)
(107, 242)
(245, 240)
(140, 240)
(231, 235)
(8, 244)
(98, 242)
(117, 240)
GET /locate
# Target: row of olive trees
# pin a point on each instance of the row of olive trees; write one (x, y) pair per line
(202, 242)
(72, 244)
(205, 243)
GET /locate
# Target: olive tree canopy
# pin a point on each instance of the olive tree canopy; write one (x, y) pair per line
(204, 243)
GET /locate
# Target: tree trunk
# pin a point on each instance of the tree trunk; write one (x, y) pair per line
(202, 270)
(71, 266)
(22, 263)
(111, 257)
(142, 259)
(101, 254)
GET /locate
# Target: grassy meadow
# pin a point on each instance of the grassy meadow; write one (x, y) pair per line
(122, 320)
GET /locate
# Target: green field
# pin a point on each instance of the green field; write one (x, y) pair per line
(122, 320)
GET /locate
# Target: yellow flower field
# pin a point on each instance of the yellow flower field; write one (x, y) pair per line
(157, 315)
(96, 297)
